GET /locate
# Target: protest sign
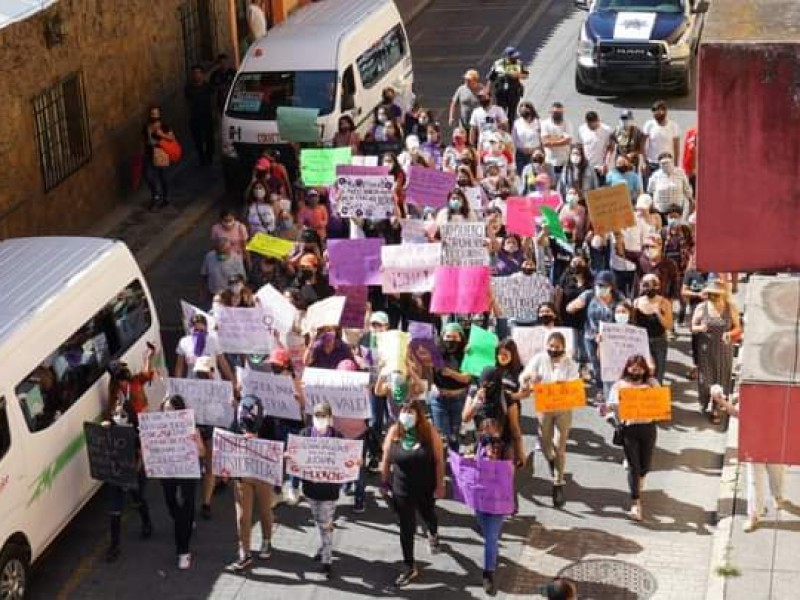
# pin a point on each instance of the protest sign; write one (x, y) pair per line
(283, 312)
(276, 392)
(210, 399)
(346, 391)
(618, 344)
(169, 449)
(355, 170)
(245, 330)
(298, 124)
(318, 165)
(112, 454)
(238, 456)
(519, 296)
(365, 196)
(365, 161)
(521, 216)
(460, 290)
(532, 340)
(464, 244)
(188, 311)
(482, 484)
(551, 200)
(425, 349)
(355, 262)
(559, 395)
(268, 245)
(355, 306)
(610, 208)
(420, 330)
(409, 268)
(480, 351)
(412, 231)
(392, 349)
(475, 197)
(551, 220)
(645, 404)
(429, 187)
(326, 312)
(323, 459)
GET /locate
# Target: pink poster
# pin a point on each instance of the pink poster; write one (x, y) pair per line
(520, 216)
(551, 200)
(461, 290)
(429, 187)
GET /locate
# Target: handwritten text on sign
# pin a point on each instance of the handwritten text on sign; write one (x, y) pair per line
(209, 398)
(645, 404)
(346, 391)
(276, 392)
(238, 456)
(560, 395)
(365, 197)
(519, 297)
(112, 454)
(323, 459)
(463, 244)
(610, 208)
(168, 444)
(245, 330)
(483, 485)
(409, 268)
(618, 344)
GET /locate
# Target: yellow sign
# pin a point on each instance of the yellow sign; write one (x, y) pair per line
(560, 395)
(645, 404)
(267, 245)
(610, 209)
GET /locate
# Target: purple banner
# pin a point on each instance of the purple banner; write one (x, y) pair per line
(482, 484)
(355, 305)
(359, 170)
(429, 187)
(421, 348)
(419, 330)
(354, 262)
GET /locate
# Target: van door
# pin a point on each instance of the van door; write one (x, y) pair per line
(13, 481)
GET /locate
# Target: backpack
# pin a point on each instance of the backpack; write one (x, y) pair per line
(173, 150)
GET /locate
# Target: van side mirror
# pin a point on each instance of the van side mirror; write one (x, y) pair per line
(701, 7)
(582, 4)
(348, 102)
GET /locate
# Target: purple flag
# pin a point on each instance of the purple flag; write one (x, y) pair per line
(354, 262)
(482, 484)
(355, 306)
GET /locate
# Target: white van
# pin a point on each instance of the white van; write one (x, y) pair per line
(336, 56)
(68, 306)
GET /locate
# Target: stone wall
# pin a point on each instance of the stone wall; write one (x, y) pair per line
(131, 54)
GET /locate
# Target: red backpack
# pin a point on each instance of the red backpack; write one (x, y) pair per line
(173, 150)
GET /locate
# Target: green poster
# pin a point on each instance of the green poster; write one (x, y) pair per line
(298, 124)
(318, 165)
(553, 223)
(480, 351)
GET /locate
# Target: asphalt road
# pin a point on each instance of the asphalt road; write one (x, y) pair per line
(673, 545)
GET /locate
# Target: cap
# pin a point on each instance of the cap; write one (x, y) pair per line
(203, 364)
(644, 202)
(626, 114)
(262, 164)
(309, 260)
(322, 409)
(472, 75)
(347, 365)
(280, 356)
(511, 51)
(380, 318)
(604, 278)
(453, 327)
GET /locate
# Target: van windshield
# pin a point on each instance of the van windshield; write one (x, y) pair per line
(258, 95)
(656, 6)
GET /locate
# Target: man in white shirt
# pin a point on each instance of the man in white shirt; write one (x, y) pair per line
(598, 144)
(661, 134)
(486, 118)
(557, 138)
(256, 20)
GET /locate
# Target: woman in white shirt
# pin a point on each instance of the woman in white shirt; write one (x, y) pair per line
(548, 367)
(526, 134)
(260, 211)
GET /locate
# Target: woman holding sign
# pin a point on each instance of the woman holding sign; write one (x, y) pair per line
(653, 312)
(412, 470)
(638, 437)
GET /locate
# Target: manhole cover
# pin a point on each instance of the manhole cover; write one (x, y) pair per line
(608, 579)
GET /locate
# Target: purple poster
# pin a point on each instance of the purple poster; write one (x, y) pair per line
(354, 262)
(422, 346)
(360, 170)
(429, 187)
(483, 485)
(418, 330)
(355, 305)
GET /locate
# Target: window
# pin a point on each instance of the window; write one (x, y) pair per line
(5, 430)
(62, 130)
(258, 95)
(384, 54)
(348, 89)
(199, 35)
(64, 376)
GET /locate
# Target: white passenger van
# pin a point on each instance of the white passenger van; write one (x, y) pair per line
(68, 307)
(336, 56)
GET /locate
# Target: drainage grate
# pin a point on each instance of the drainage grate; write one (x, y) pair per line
(609, 579)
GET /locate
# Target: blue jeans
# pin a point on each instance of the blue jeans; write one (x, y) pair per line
(491, 526)
(446, 413)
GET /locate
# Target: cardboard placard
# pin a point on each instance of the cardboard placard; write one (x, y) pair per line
(645, 404)
(559, 395)
(112, 454)
(610, 209)
(318, 165)
(268, 245)
(239, 456)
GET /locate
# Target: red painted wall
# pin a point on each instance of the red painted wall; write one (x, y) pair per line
(769, 421)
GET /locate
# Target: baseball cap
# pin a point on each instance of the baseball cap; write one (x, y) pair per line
(605, 278)
(380, 318)
(280, 356)
(453, 327)
(511, 51)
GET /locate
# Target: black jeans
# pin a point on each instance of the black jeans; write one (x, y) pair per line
(156, 178)
(203, 138)
(180, 497)
(638, 443)
(406, 508)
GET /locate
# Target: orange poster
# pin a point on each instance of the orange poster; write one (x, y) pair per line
(561, 395)
(610, 209)
(645, 404)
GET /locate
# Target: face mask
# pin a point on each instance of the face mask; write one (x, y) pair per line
(321, 423)
(651, 293)
(277, 369)
(635, 377)
(538, 159)
(575, 159)
(558, 117)
(259, 193)
(306, 274)
(528, 271)
(451, 346)
(666, 165)
(621, 318)
(572, 199)
(652, 253)
(541, 187)
(525, 114)
(672, 222)
(462, 182)
(555, 353)
(454, 204)
(288, 223)
(408, 420)
(547, 319)
(602, 291)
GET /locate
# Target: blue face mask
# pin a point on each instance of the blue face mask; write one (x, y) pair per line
(454, 204)
(672, 222)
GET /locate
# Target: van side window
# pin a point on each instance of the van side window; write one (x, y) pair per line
(384, 54)
(5, 430)
(75, 366)
(348, 89)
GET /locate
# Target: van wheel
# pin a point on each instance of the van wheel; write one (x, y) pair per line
(14, 570)
(581, 87)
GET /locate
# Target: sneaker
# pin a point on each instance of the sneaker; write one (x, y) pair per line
(558, 496)
(358, 506)
(433, 544)
(291, 496)
(635, 512)
(406, 577)
(372, 465)
(266, 549)
(750, 524)
(277, 499)
(184, 561)
(205, 511)
(112, 554)
(488, 583)
(242, 563)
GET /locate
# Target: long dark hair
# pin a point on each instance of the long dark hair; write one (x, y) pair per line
(464, 211)
(423, 427)
(510, 346)
(638, 359)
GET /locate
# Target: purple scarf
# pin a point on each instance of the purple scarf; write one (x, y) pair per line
(199, 342)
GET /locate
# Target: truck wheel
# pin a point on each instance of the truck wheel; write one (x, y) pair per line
(14, 570)
(580, 86)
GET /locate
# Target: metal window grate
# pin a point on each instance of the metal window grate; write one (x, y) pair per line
(199, 32)
(62, 130)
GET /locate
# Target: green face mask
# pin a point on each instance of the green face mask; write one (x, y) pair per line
(399, 392)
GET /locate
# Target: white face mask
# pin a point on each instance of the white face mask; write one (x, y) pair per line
(572, 199)
(621, 317)
(237, 288)
(259, 193)
(321, 423)
(408, 420)
(575, 159)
